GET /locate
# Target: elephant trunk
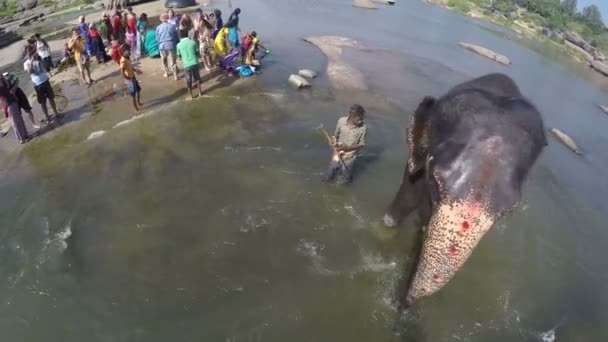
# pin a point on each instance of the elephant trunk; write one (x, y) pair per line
(453, 232)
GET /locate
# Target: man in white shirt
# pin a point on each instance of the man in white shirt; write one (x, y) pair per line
(34, 66)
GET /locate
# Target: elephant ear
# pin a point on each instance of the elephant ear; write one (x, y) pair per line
(417, 135)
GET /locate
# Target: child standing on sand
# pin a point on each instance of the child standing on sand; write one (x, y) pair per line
(128, 73)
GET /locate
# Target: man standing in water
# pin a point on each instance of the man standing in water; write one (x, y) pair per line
(348, 139)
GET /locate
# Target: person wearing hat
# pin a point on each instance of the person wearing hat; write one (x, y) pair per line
(166, 36)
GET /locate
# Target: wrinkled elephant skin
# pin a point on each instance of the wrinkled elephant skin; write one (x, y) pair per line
(470, 152)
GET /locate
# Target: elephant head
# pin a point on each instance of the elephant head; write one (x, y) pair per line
(472, 150)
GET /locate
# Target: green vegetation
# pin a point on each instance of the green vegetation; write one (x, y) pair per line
(460, 5)
(537, 14)
(9, 9)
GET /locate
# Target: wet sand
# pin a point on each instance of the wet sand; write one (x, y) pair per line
(107, 99)
(108, 96)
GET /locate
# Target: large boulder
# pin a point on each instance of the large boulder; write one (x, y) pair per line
(368, 4)
(25, 5)
(341, 74)
(480, 50)
(179, 3)
(577, 40)
(600, 67)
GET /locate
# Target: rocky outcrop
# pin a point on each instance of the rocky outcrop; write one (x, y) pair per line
(480, 50)
(579, 41)
(341, 74)
(8, 38)
(179, 3)
(26, 5)
(566, 140)
(600, 67)
(368, 4)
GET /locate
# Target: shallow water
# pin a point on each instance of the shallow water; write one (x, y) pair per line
(207, 220)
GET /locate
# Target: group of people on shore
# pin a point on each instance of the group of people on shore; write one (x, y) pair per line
(205, 41)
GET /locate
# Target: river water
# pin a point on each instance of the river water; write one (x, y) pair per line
(207, 221)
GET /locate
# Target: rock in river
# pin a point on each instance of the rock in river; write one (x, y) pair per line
(603, 108)
(486, 53)
(566, 140)
(307, 73)
(341, 74)
(298, 81)
(364, 4)
(600, 67)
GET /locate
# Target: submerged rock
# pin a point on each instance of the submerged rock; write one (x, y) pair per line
(603, 108)
(340, 73)
(368, 4)
(96, 135)
(298, 81)
(566, 140)
(486, 53)
(307, 73)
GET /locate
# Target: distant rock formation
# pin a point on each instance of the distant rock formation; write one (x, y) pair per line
(368, 4)
(486, 53)
(600, 67)
(577, 40)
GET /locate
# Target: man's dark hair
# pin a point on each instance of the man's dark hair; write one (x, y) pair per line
(356, 110)
(183, 33)
(37, 35)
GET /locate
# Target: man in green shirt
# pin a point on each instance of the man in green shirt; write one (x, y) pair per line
(187, 51)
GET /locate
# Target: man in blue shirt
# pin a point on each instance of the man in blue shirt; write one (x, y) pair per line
(166, 36)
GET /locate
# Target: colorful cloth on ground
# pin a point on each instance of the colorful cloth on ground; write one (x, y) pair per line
(187, 51)
(228, 63)
(151, 44)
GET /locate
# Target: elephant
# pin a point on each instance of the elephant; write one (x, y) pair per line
(470, 152)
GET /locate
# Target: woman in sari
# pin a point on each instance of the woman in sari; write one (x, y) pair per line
(10, 107)
(220, 44)
(233, 24)
(142, 27)
(219, 23)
